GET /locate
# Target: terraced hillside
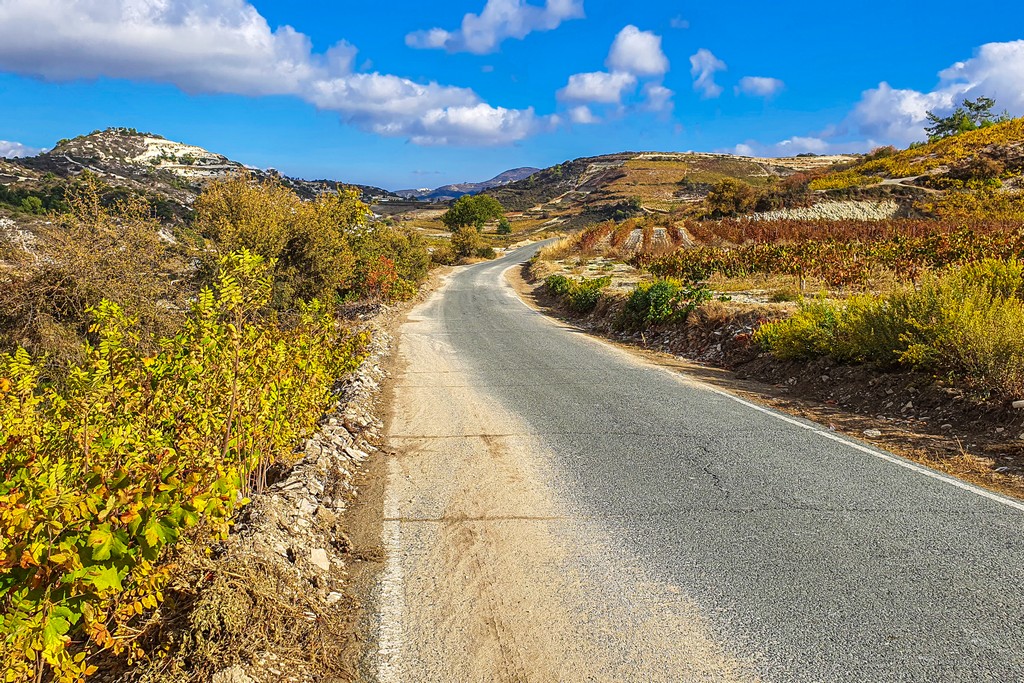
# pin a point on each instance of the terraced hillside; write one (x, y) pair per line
(596, 188)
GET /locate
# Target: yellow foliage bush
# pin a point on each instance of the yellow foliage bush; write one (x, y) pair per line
(100, 477)
(949, 151)
(965, 322)
(843, 180)
(980, 202)
(324, 249)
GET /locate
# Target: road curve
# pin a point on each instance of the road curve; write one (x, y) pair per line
(558, 510)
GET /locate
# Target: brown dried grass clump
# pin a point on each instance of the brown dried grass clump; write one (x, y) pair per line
(245, 608)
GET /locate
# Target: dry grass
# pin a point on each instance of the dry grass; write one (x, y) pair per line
(241, 608)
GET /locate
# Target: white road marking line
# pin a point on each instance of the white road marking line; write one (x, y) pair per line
(896, 460)
(392, 587)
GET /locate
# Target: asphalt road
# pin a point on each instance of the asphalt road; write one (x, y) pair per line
(805, 557)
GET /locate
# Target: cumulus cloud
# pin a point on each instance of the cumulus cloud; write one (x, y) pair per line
(499, 20)
(899, 115)
(598, 86)
(759, 86)
(658, 98)
(226, 46)
(888, 115)
(637, 52)
(821, 143)
(803, 145)
(634, 55)
(199, 45)
(679, 22)
(583, 115)
(10, 150)
(703, 66)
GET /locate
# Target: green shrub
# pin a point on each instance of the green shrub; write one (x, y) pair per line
(663, 301)
(966, 323)
(581, 296)
(472, 212)
(466, 241)
(487, 253)
(32, 204)
(444, 255)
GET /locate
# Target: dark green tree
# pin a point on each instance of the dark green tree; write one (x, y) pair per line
(504, 227)
(32, 204)
(473, 212)
(971, 115)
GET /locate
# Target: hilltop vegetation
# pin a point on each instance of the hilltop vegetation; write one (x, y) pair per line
(976, 172)
(167, 174)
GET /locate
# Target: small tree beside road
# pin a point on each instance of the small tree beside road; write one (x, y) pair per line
(472, 211)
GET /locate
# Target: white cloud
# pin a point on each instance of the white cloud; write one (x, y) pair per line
(598, 86)
(634, 55)
(583, 115)
(199, 45)
(499, 20)
(899, 115)
(821, 143)
(803, 145)
(226, 46)
(704, 65)
(637, 52)
(996, 70)
(759, 86)
(658, 98)
(679, 22)
(431, 39)
(886, 115)
(478, 124)
(9, 150)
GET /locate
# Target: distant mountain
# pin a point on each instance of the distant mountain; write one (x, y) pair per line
(449, 192)
(170, 172)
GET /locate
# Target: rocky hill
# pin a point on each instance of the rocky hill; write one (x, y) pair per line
(449, 192)
(660, 180)
(169, 173)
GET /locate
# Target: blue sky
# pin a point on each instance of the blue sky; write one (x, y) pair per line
(410, 94)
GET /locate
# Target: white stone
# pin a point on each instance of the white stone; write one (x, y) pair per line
(318, 558)
(235, 674)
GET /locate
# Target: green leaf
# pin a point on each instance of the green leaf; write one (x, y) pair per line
(54, 631)
(101, 540)
(105, 579)
(106, 544)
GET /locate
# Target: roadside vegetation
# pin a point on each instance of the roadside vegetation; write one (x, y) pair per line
(466, 220)
(962, 323)
(911, 318)
(147, 387)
